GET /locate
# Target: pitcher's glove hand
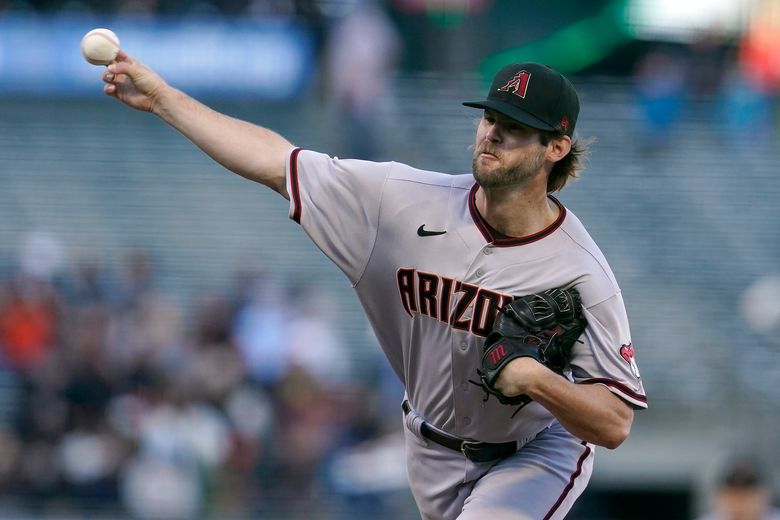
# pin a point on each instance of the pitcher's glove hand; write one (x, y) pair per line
(543, 326)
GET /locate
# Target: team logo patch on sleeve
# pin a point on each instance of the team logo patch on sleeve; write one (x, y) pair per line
(627, 353)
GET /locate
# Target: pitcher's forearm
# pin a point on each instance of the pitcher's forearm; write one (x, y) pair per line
(590, 412)
(249, 150)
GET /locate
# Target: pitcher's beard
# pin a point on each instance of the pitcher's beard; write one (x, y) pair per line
(517, 175)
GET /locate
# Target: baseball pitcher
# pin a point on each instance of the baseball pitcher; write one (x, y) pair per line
(492, 303)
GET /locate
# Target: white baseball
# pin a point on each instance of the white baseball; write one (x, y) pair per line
(100, 46)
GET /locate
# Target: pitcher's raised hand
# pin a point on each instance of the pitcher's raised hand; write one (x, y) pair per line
(132, 82)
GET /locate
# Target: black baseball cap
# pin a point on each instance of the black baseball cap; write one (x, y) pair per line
(535, 95)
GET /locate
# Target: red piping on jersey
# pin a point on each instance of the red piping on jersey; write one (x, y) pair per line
(512, 241)
(618, 386)
(296, 189)
(570, 485)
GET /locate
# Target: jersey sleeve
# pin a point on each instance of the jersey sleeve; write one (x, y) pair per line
(337, 203)
(607, 355)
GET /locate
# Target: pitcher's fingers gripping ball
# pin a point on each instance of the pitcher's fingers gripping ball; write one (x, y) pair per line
(132, 82)
(100, 46)
(543, 326)
(125, 78)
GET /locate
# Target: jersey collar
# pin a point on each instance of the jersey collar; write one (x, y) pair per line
(489, 235)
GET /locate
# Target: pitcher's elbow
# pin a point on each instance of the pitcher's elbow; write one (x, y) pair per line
(616, 436)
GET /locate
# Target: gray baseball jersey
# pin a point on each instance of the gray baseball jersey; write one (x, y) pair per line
(431, 276)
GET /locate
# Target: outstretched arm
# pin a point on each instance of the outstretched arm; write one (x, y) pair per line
(249, 150)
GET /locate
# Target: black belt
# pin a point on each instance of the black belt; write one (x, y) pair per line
(473, 450)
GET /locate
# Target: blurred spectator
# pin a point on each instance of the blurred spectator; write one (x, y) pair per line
(743, 491)
(314, 343)
(29, 314)
(747, 110)
(146, 329)
(250, 411)
(181, 443)
(90, 457)
(212, 366)
(361, 54)
(363, 474)
(309, 431)
(260, 327)
(760, 49)
(660, 85)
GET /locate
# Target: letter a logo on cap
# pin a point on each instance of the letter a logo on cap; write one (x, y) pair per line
(518, 85)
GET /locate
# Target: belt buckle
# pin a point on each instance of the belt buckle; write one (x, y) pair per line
(471, 450)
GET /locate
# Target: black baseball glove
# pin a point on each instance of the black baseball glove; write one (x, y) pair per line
(543, 326)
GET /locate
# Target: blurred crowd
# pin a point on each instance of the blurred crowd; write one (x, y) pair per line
(710, 72)
(736, 76)
(118, 397)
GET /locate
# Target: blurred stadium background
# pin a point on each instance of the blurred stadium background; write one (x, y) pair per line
(172, 346)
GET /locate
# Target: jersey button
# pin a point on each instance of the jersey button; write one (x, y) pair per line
(467, 420)
(488, 250)
(464, 345)
(480, 272)
(464, 385)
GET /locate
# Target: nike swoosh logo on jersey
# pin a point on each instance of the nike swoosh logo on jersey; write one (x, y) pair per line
(421, 231)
